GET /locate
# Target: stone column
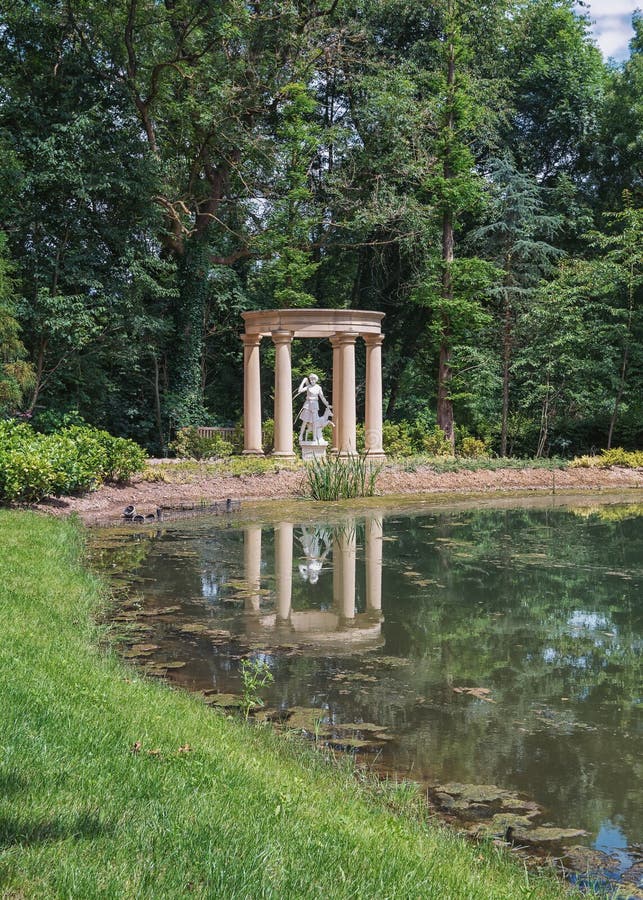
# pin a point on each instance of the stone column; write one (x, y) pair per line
(374, 535)
(252, 442)
(337, 393)
(283, 569)
(348, 415)
(373, 418)
(283, 394)
(252, 566)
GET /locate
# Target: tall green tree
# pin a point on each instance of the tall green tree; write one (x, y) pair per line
(582, 365)
(16, 374)
(517, 238)
(617, 161)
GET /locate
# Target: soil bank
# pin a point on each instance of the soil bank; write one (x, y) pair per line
(200, 486)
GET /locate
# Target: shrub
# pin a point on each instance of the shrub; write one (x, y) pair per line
(412, 438)
(436, 443)
(268, 435)
(397, 439)
(79, 458)
(473, 448)
(630, 459)
(189, 443)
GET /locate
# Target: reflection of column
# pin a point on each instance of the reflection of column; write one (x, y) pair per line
(348, 416)
(374, 534)
(337, 392)
(337, 571)
(252, 565)
(283, 568)
(283, 394)
(348, 553)
(252, 443)
(373, 423)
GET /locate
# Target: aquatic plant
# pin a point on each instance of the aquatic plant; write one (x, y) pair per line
(255, 674)
(342, 479)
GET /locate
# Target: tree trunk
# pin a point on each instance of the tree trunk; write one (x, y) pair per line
(40, 367)
(544, 423)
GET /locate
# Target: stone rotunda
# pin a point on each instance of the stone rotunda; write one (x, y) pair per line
(342, 327)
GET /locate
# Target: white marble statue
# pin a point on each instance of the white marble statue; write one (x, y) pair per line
(309, 413)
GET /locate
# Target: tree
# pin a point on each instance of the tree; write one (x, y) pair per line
(556, 79)
(618, 153)
(515, 238)
(583, 365)
(16, 375)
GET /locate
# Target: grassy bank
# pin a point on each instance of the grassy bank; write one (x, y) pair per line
(240, 814)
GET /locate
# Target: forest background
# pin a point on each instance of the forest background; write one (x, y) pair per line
(471, 169)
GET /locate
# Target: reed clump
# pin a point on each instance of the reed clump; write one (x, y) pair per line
(334, 478)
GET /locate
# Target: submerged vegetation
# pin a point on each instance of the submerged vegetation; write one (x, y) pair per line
(117, 786)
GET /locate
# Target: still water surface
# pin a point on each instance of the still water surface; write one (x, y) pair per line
(494, 646)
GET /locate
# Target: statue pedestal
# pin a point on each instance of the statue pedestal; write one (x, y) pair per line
(311, 450)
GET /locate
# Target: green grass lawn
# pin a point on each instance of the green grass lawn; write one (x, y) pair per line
(244, 813)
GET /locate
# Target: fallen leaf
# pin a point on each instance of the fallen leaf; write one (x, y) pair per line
(135, 748)
(185, 749)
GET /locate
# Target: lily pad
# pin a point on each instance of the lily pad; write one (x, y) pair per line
(193, 628)
(587, 860)
(162, 611)
(544, 835)
(225, 701)
(475, 793)
(306, 718)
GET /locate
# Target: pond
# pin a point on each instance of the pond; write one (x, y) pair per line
(476, 646)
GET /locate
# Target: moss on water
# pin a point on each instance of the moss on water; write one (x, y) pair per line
(116, 786)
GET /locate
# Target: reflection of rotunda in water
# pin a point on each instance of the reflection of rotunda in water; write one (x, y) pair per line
(318, 549)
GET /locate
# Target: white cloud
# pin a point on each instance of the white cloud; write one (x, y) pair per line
(612, 24)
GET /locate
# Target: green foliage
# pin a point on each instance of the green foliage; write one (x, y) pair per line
(16, 374)
(632, 459)
(334, 478)
(157, 178)
(78, 458)
(473, 448)
(255, 674)
(410, 438)
(189, 443)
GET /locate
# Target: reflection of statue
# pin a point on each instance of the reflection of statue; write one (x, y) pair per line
(316, 547)
(309, 413)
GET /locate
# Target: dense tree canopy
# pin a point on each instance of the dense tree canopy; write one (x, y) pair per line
(471, 169)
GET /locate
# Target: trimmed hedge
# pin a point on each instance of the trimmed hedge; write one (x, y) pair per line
(75, 459)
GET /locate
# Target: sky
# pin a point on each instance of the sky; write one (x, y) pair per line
(613, 25)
